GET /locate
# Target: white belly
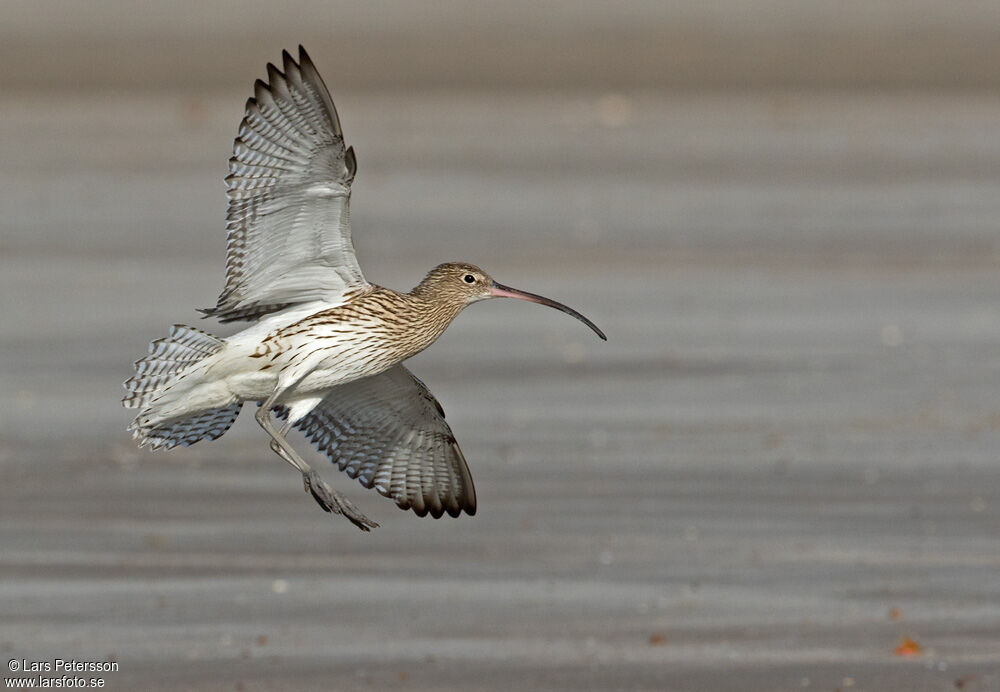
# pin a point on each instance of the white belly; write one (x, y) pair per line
(255, 379)
(332, 372)
(252, 386)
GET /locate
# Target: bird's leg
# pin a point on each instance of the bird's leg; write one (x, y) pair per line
(327, 498)
(281, 453)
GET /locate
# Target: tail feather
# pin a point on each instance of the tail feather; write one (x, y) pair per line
(167, 358)
(156, 373)
(206, 425)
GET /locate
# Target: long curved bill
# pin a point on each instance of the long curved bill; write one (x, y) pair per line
(501, 291)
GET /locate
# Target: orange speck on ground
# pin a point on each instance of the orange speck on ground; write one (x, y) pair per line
(908, 647)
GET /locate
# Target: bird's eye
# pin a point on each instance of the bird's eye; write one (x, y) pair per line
(470, 279)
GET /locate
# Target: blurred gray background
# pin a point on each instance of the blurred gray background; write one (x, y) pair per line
(784, 460)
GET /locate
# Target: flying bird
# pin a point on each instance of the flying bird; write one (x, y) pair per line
(325, 347)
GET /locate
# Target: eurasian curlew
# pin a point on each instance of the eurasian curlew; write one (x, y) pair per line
(325, 348)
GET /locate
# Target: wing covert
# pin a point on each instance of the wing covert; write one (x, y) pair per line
(389, 432)
(289, 188)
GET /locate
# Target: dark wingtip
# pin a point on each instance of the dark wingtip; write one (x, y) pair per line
(274, 75)
(351, 161)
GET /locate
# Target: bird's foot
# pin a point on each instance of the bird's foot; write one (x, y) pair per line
(335, 503)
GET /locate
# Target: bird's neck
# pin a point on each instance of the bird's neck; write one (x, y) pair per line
(435, 309)
(432, 312)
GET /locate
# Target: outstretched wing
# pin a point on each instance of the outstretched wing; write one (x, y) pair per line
(389, 432)
(289, 188)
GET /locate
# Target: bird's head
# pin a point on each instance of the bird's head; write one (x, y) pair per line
(461, 284)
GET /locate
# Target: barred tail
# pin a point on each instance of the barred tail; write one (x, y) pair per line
(186, 430)
(168, 361)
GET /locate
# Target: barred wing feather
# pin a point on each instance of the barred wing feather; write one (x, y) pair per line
(289, 188)
(389, 432)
